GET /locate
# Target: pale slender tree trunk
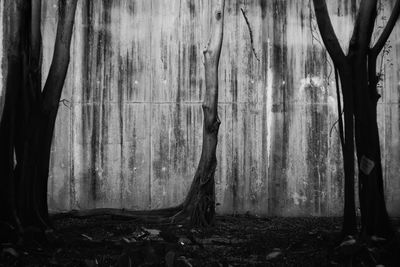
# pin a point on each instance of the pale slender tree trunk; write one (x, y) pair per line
(200, 201)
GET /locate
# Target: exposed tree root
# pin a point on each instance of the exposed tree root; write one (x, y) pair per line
(142, 215)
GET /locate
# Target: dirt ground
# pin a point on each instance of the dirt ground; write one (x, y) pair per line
(234, 241)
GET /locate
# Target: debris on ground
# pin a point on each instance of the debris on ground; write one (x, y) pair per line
(233, 241)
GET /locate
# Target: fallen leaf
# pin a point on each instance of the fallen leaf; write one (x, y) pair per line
(152, 231)
(126, 240)
(350, 241)
(10, 251)
(349, 246)
(184, 241)
(275, 253)
(87, 237)
(377, 239)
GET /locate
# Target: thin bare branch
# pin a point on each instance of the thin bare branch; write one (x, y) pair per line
(340, 120)
(251, 34)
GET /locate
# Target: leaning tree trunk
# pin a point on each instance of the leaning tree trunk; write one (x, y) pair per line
(359, 88)
(199, 204)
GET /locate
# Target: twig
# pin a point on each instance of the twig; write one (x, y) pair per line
(251, 34)
(339, 120)
(65, 101)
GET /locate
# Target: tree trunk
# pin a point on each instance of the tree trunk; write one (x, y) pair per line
(35, 170)
(359, 88)
(8, 214)
(374, 216)
(349, 213)
(29, 115)
(200, 201)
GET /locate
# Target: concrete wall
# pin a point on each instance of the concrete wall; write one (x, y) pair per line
(130, 135)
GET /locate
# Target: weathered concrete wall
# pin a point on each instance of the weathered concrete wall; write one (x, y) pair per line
(131, 134)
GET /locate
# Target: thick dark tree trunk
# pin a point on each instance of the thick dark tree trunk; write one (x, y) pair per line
(349, 214)
(29, 114)
(374, 216)
(14, 83)
(359, 88)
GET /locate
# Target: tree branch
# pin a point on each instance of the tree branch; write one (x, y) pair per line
(377, 48)
(364, 27)
(328, 34)
(251, 34)
(341, 128)
(35, 49)
(35, 36)
(59, 65)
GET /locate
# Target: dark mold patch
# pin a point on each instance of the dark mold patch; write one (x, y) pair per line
(263, 6)
(131, 7)
(192, 8)
(193, 67)
(177, 126)
(162, 162)
(235, 160)
(277, 187)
